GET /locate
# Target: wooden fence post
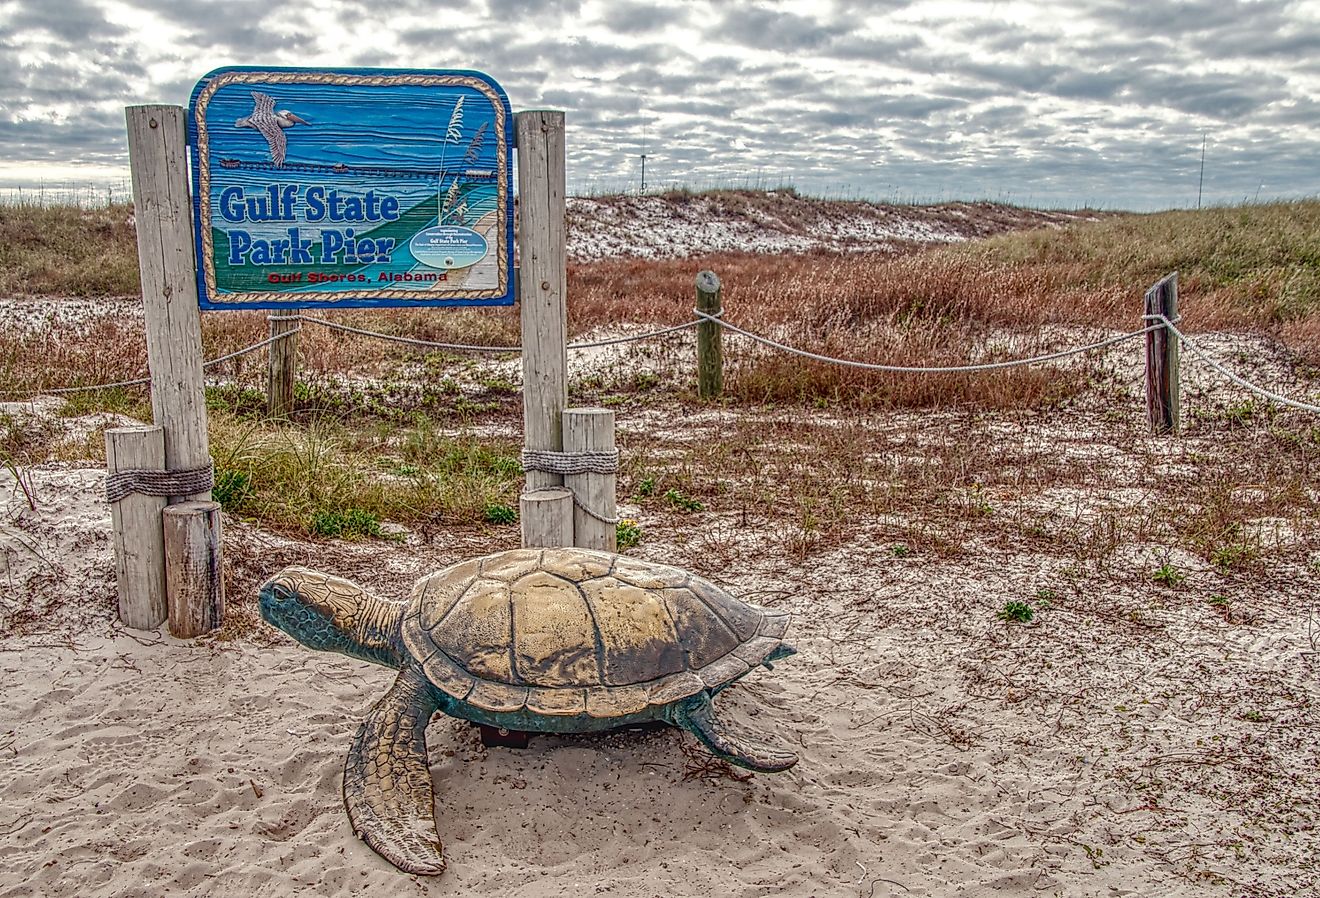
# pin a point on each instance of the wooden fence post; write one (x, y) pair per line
(135, 525)
(157, 151)
(592, 430)
(546, 518)
(194, 583)
(1162, 387)
(283, 364)
(710, 338)
(542, 290)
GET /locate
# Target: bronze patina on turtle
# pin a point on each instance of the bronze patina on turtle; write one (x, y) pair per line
(539, 640)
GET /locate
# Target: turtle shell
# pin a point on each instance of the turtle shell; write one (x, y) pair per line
(566, 632)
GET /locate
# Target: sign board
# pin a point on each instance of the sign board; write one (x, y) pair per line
(351, 187)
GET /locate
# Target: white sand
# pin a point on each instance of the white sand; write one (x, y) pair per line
(1105, 749)
(666, 226)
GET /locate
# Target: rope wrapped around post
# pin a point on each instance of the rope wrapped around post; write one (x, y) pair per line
(570, 462)
(159, 483)
(574, 463)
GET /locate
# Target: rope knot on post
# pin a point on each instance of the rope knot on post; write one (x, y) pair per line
(573, 463)
(122, 484)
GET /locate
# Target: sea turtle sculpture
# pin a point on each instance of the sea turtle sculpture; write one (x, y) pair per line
(540, 640)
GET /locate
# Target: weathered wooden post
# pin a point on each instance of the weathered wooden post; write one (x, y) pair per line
(157, 150)
(167, 262)
(135, 524)
(283, 364)
(590, 432)
(194, 581)
(710, 338)
(542, 291)
(1162, 388)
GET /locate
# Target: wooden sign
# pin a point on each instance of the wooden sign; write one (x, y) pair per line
(351, 187)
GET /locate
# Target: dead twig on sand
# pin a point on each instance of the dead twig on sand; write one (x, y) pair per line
(1311, 636)
(870, 892)
(701, 765)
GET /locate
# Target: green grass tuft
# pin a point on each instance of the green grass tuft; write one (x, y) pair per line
(351, 523)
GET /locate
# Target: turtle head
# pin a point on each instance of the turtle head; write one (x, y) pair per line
(331, 614)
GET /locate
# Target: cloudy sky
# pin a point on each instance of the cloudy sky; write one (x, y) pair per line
(1058, 103)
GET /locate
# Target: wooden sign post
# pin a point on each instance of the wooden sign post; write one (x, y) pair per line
(157, 148)
(558, 508)
(542, 292)
(340, 188)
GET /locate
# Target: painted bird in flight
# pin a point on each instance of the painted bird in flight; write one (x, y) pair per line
(271, 124)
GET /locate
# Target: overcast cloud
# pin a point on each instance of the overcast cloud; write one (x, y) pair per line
(1065, 102)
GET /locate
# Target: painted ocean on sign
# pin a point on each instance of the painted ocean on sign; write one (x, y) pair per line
(351, 188)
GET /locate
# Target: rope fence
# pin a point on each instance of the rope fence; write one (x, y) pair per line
(1235, 378)
(1158, 323)
(905, 369)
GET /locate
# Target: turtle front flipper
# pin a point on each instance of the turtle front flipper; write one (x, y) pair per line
(697, 715)
(387, 784)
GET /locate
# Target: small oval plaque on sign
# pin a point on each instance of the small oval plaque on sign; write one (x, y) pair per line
(448, 247)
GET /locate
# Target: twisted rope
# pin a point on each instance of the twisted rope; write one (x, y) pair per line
(592, 513)
(253, 348)
(408, 341)
(469, 347)
(552, 462)
(123, 484)
(1240, 381)
(906, 369)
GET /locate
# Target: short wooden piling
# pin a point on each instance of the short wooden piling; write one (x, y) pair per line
(710, 338)
(1162, 386)
(135, 525)
(283, 364)
(592, 430)
(547, 518)
(194, 581)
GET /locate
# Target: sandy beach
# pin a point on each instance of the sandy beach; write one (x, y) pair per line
(1128, 741)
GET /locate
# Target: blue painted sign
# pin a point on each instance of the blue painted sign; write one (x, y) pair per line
(351, 187)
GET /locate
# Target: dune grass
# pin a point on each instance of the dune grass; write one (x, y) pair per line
(366, 437)
(1251, 268)
(325, 479)
(67, 250)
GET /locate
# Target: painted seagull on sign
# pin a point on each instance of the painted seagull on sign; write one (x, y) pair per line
(271, 124)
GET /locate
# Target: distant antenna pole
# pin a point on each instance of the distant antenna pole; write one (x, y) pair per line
(1201, 183)
(642, 189)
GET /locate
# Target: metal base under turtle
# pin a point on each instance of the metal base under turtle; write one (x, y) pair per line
(526, 641)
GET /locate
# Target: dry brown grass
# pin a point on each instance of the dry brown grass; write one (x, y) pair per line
(67, 251)
(948, 483)
(1248, 268)
(106, 350)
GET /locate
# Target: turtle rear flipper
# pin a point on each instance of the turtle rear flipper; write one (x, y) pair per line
(697, 715)
(387, 785)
